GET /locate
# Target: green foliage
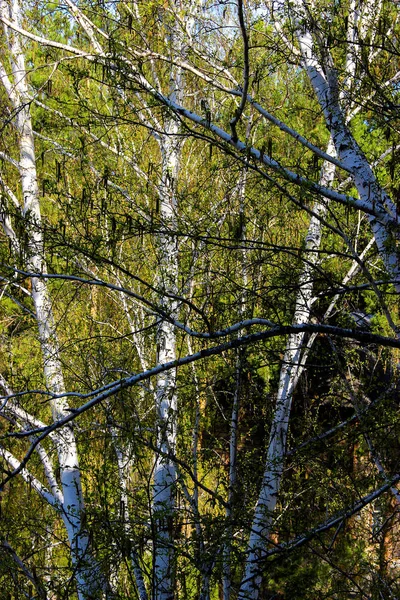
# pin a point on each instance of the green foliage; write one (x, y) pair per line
(240, 229)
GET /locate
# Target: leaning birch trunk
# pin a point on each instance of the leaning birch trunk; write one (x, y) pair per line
(72, 509)
(323, 77)
(166, 398)
(263, 517)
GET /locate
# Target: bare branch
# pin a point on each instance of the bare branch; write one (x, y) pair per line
(246, 73)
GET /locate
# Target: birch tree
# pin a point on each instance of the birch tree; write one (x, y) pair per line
(66, 496)
(165, 107)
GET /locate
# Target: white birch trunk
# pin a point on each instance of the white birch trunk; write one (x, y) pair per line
(263, 517)
(166, 398)
(323, 79)
(72, 509)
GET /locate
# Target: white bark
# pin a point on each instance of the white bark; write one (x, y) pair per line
(166, 401)
(268, 497)
(5, 219)
(30, 479)
(370, 192)
(355, 267)
(10, 407)
(251, 152)
(166, 398)
(323, 78)
(87, 575)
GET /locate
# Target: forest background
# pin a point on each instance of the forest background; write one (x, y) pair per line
(199, 317)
